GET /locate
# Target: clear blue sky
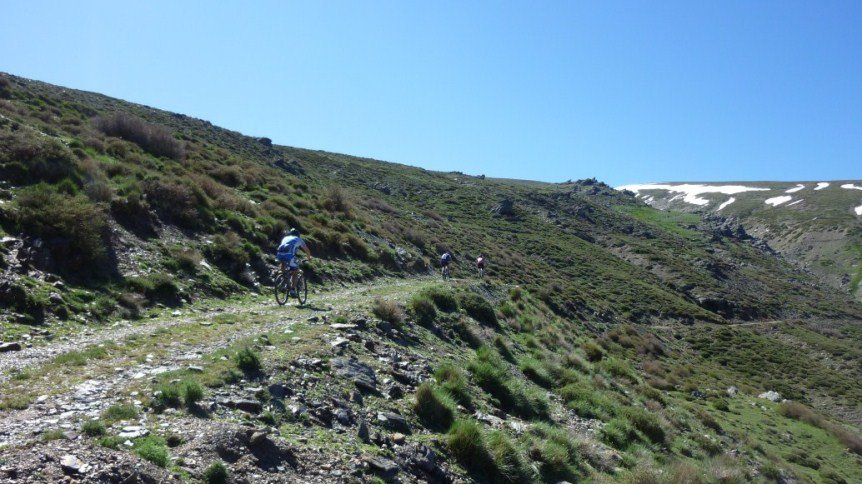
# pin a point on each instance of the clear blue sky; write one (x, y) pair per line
(623, 91)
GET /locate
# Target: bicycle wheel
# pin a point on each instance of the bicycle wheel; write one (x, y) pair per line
(282, 284)
(301, 290)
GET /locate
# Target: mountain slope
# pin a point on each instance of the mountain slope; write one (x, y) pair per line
(603, 343)
(818, 225)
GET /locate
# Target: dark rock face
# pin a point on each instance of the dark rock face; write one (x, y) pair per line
(393, 421)
(383, 467)
(362, 375)
(4, 347)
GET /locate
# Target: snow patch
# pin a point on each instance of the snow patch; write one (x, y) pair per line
(858, 210)
(776, 201)
(728, 202)
(691, 191)
(794, 203)
(851, 186)
(795, 189)
(821, 185)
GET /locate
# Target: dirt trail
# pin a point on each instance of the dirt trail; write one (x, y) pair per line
(98, 384)
(29, 357)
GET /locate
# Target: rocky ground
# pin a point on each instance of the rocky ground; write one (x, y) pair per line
(331, 402)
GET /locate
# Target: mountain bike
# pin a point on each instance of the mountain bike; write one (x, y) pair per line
(282, 286)
(446, 273)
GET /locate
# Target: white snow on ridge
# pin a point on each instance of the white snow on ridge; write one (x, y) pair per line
(776, 201)
(821, 186)
(858, 210)
(794, 203)
(795, 189)
(728, 202)
(851, 186)
(691, 191)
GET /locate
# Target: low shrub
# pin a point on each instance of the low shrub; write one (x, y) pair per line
(588, 402)
(120, 411)
(78, 249)
(467, 445)
(443, 298)
(247, 360)
(509, 465)
(93, 428)
(54, 434)
(593, 351)
(216, 473)
(451, 379)
(646, 423)
(535, 370)
(192, 392)
(153, 138)
(478, 308)
(167, 395)
(388, 311)
(422, 309)
(434, 406)
(153, 449)
(619, 433)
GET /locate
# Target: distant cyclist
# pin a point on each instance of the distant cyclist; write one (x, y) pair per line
(480, 265)
(445, 260)
(287, 255)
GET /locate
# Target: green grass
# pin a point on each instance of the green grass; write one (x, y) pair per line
(153, 449)
(434, 407)
(119, 412)
(93, 428)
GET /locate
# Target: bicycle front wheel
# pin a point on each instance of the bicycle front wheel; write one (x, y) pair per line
(301, 289)
(282, 284)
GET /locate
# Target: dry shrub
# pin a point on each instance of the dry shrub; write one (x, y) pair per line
(388, 311)
(379, 205)
(154, 139)
(337, 200)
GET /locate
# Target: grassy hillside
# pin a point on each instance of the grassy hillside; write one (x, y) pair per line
(602, 345)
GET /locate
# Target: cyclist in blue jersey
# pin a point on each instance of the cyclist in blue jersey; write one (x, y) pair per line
(287, 255)
(445, 260)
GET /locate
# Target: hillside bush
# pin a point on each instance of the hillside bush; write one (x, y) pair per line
(247, 360)
(647, 423)
(216, 473)
(27, 158)
(443, 298)
(478, 308)
(388, 311)
(93, 428)
(434, 407)
(467, 445)
(77, 249)
(452, 379)
(422, 309)
(593, 351)
(175, 203)
(509, 464)
(157, 287)
(618, 433)
(154, 139)
(153, 449)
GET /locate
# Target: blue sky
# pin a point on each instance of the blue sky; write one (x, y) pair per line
(623, 91)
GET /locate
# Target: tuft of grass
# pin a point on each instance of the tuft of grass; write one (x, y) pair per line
(647, 423)
(120, 411)
(153, 449)
(93, 428)
(619, 433)
(434, 406)
(54, 434)
(467, 445)
(388, 311)
(15, 402)
(248, 361)
(452, 379)
(216, 473)
(593, 351)
(478, 308)
(443, 298)
(509, 464)
(192, 392)
(422, 309)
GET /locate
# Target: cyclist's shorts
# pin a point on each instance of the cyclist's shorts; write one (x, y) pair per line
(444, 263)
(288, 259)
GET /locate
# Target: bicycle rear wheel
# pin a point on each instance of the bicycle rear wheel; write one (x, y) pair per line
(282, 285)
(301, 289)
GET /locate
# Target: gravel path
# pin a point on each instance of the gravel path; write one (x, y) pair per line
(65, 410)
